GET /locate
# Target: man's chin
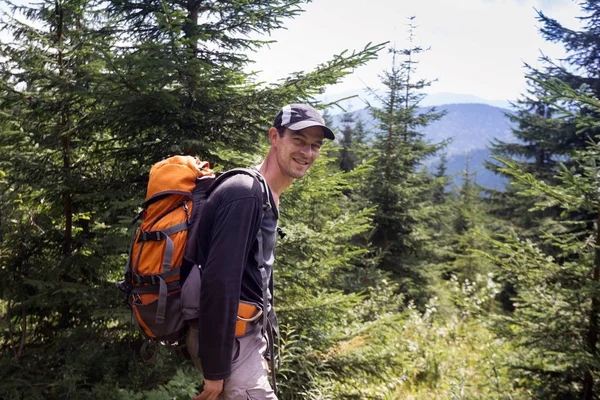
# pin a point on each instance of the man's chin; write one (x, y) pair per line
(295, 173)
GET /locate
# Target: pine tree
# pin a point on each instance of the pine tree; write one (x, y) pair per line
(544, 141)
(556, 323)
(182, 80)
(542, 144)
(354, 147)
(337, 328)
(470, 222)
(347, 159)
(398, 185)
(439, 191)
(57, 252)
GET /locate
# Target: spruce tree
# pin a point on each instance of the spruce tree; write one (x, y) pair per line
(555, 326)
(181, 77)
(56, 247)
(347, 159)
(337, 327)
(543, 139)
(398, 185)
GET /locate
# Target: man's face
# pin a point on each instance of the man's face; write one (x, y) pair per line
(297, 150)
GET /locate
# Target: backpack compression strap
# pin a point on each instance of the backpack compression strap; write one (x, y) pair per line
(160, 279)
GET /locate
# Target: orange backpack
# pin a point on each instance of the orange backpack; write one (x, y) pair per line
(159, 248)
(162, 274)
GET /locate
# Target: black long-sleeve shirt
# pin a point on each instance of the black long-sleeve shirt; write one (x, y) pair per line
(229, 225)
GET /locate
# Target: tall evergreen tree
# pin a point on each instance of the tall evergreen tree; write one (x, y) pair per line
(347, 159)
(398, 184)
(469, 223)
(354, 147)
(58, 251)
(543, 140)
(439, 191)
(180, 85)
(556, 324)
(337, 327)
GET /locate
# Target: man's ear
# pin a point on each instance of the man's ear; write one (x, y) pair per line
(273, 135)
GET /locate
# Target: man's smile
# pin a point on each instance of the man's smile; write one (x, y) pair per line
(299, 161)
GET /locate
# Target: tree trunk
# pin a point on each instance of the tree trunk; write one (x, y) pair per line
(193, 8)
(68, 238)
(68, 197)
(17, 352)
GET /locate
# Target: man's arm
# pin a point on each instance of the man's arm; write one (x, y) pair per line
(236, 222)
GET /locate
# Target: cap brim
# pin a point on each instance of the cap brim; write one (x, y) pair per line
(307, 124)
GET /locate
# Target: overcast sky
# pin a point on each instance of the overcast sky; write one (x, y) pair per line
(478, 47)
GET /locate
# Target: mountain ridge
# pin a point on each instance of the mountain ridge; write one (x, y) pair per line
(472, 127)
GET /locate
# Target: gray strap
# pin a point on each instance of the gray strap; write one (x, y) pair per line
(175, 228)
(266, 325)
(164, 235)
(168, 259)
(270, 341)
(169, 244)
(154, 279)
(171, 286)
(162, 302)
(265, 190)
(265, 278)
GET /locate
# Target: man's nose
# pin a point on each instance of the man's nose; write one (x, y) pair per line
(306, 150)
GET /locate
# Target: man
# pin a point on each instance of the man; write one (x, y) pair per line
(234, 221)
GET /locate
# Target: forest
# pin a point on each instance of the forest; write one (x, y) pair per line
(390, 283)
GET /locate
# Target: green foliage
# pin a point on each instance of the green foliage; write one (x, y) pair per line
(546, 137)
(354, 148)
(398, 186)
(337, 323)
(93, 93)
(551, 259)
(182, 386)
(556, 326)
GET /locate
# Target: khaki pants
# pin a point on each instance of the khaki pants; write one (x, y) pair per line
(249, 369)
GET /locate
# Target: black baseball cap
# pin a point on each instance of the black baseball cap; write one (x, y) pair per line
(300, 116)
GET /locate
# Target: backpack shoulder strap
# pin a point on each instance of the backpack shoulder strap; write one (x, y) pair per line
(251, 172)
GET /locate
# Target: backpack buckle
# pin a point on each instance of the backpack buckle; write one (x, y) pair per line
(146, 279)
(150, 236)
(186, 210)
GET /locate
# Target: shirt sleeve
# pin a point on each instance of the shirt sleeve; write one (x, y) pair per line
(236, 223)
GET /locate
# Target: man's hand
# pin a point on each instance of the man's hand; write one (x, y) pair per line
(211, 390)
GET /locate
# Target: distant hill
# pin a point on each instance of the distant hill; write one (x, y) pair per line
(362, 97)
(436, 99)
(472, 127)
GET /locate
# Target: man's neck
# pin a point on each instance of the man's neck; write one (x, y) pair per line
(277, 181)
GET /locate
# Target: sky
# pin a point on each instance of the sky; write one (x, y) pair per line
(478, 47)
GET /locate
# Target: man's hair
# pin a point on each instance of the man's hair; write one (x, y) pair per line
(281, 130)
